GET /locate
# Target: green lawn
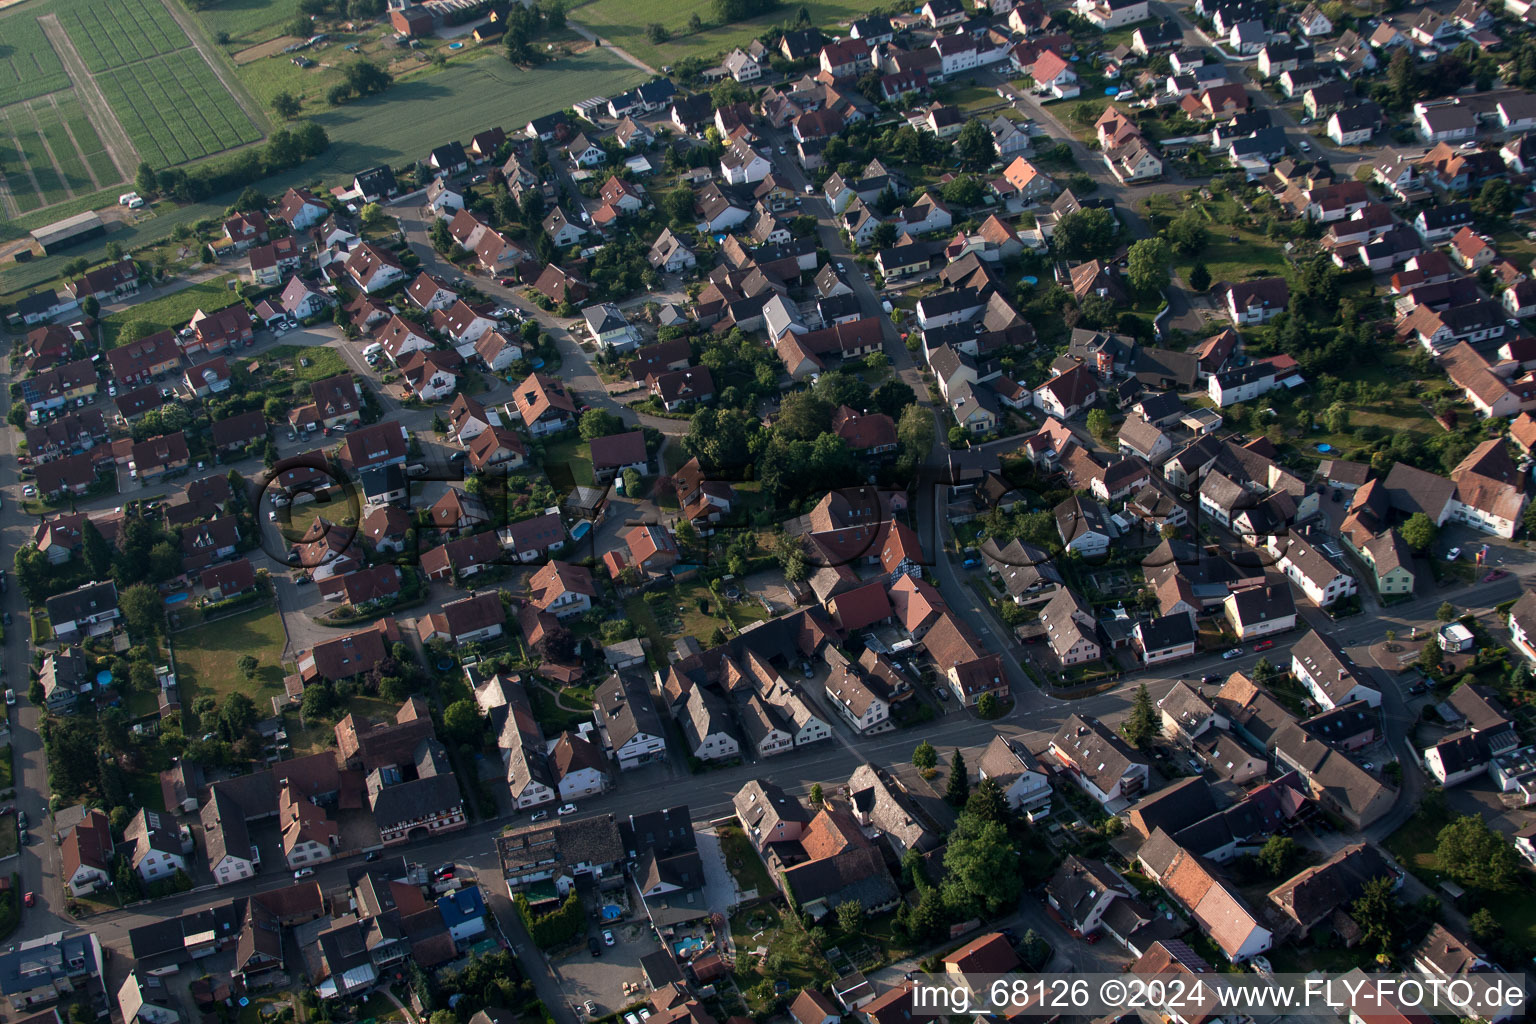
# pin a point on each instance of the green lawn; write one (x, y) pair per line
(624, 23)
(571, 452)
(171, 312)
(305, 362)
(206, 657)
(744, 863)
(1414, 843)
(1232, 253)
(7, 772)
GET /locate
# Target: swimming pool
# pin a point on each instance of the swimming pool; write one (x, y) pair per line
(176, 598)
(104, 678)
(689, 946)
(612, 912)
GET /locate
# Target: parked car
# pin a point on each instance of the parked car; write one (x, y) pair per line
(303, 873)
(21, 819)
(566, 809)
(595, 947)
(29, 491)
(30, 899)
(10, 696)
(373, 855)
(1236, 652)
(608, 939)
(1263, 645)
(1453, 554)
(590, 1007)
(539, 816)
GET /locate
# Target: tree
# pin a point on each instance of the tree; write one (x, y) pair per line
(1142, 725)
(373, 215)
(285, 105)
(1495, 201)
(987, 802)
(461, 721)
(915, 432)
(1277, 855)
(959, 787)
(1147, 266)
(1199, 277)
(790, 553)
(884, 236)
(988, 707)
(1485, 927)
(1446, 612)
(1098, 423)
(1336, 418)
(143, 610)
(816, 794)
(1418, 532)
(924, 757)
(1085, 233)
(892, 397)
(1376, 912)
(981, 869)
(319, 699)
(247, 664)
(558, 644)
(599, 423)
(974, 145)
(366, 78)
(850, 916)
(95, 550)
(1476, 856)
(1187, 234)
(803, 416)
(144, 179)
(237, 716)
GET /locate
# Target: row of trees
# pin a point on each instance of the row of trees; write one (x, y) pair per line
(286, 148)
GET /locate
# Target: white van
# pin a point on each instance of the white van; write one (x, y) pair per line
(373, 350)
(126, 198)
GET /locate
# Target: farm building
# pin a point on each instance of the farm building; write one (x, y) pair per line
(62, 234)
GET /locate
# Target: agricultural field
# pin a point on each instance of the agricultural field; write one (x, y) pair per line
(175, 109)
(248, 23)
(28, 64)
(624, 24)
(74, 163)
(120, 33)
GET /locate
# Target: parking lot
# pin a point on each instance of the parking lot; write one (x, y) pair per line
(602, 979)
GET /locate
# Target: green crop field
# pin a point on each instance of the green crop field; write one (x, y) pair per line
(248, 22)
(28, 65)
(89, 143)
(79, 164)
(175, 109)
(13, 166)
(624, 23)
(122, 32)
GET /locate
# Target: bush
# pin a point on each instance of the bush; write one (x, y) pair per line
(556, 927)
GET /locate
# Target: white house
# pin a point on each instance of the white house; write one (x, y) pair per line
(1016, 772)
(1098, 760)
(1330, 675)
